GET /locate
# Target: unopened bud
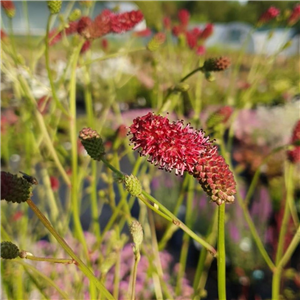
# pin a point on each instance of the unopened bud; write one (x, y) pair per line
(92, 143)
(132, 185)
(75, 15)
(156, 41)
(9, 250)
(216, 64)
(54, 6)
(136, 231)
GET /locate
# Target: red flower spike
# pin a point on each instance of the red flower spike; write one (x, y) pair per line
(200, 50)
(143, 33)
(169, 145)
(215, 178)
(125, 21)
(86, 46)
(184, 17)
(295, 15)
(83, 26)
(191, 39)
(294, 155)
(167, 23)
(9, 8)
(207, 31)
(270, 14)
(176, 31)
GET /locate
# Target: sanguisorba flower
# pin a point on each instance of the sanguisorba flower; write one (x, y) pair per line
(271, 13)
(9, 8)
(169, 145)
(294, 154)
(180, 147)
(295, 15)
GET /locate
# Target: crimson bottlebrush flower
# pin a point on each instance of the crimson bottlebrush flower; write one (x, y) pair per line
(295, 15)
(3, 35)
(143, 33)
(200, 50)
(268, 15)
(9, 8)
(191, 39)
(183, 17)
(169, 145)
(294, 154)
(125, 21)
(215, 178)
(207, 31)
(86, 46)
(167, 23)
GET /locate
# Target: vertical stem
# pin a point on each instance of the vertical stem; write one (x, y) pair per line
(221, 258)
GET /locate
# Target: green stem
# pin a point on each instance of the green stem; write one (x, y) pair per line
(67, 248)
(191, 73)
(221, 259)
(51, 259)
(53, 89)
(134, 273)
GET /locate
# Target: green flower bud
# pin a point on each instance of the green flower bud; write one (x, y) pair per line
(92, 143)
(75, 15)
(156, 41)
(9, 250)
(136, 231)
(132, 185)
(54, 6)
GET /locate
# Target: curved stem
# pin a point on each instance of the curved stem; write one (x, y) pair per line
(67, 248)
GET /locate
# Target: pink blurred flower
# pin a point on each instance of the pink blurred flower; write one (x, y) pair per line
(54, 183)
(294, 155)
(207, 31)
(269, 15)
(143, 33)
(167, 23)
(184, 17)
(200, 50)
(86, 46)
(295, 15)
(104, 44)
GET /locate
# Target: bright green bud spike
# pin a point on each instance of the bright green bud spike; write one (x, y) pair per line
(92, 143)
(9, 250)
(133, 185)
(75, 15)
(136, 231)
(54, 6)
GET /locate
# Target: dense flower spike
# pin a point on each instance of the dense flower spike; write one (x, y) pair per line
(169, 145)
(215, 178)
(207, 31)
(294, 155)
(216, 64)
(136, 231)
(295, 15)
(125, 21)
(9, 250)
(14, 188)
(184, 17)
(92, 143)
(132, 185)
(270, 14)
(9, 8)
(54, 6)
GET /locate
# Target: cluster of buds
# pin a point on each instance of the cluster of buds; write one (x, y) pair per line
(108, 22)
(194, 37)
(104, 23)
(294, 155)
(9, 8)
(295, 15)
(268, 15)
(184, 149)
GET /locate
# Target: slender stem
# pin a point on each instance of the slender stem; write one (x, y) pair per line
(221, 259)
(137, 258)
(67, 248)
(191, 73)
(51, 259)
(53, 89)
